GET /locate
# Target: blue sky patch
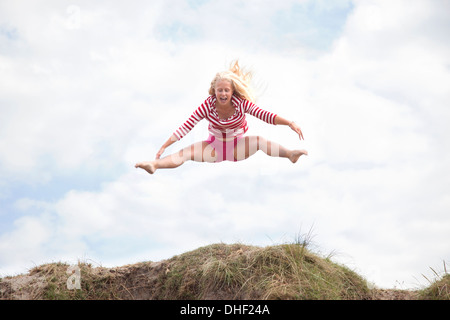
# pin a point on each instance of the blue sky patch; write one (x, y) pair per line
(312, 24)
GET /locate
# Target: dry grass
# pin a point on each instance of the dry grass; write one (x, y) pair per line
(96, 284)
(439, 288)
(276, 272)
(218, 271)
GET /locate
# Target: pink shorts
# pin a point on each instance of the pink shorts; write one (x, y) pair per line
(224, 147)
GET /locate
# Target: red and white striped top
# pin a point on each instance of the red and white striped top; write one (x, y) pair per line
(233, 126)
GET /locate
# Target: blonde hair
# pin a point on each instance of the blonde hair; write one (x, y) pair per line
(240, 81)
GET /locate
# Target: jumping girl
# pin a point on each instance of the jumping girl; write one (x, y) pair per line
(230, 99)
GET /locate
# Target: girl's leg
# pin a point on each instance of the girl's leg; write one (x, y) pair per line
(250, 145)
(200, 151)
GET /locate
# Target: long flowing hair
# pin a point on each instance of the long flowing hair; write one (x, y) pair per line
(240, 80)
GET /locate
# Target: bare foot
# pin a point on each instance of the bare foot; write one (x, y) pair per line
(297, 154)
(148, 166)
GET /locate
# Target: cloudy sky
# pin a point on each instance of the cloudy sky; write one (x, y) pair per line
(88, 88)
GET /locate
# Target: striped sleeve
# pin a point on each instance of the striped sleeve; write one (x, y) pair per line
(195, 118)
(259, 113)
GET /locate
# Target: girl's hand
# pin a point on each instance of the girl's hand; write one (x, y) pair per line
(160, 152)
(297, 129)
(169, 142)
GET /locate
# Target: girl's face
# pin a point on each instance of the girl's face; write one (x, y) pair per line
(224, 92)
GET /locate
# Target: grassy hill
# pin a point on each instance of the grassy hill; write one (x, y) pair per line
(217, 271)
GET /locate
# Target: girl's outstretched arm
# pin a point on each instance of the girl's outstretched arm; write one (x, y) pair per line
(291, 124)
